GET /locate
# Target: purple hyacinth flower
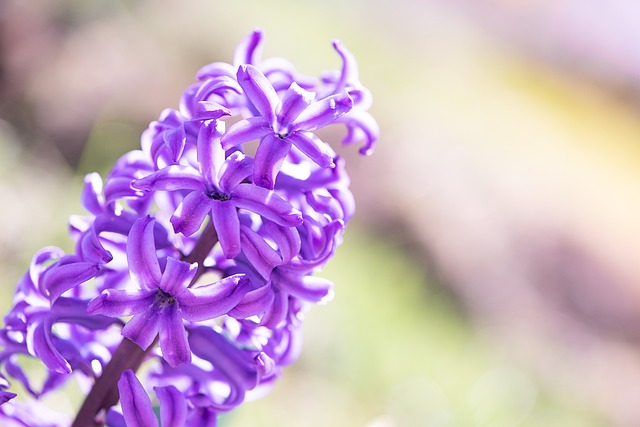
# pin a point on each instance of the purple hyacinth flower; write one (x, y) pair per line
(282, 124)
(165, 298)
(218, 189)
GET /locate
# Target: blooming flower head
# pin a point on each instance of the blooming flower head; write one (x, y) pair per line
(197, 257)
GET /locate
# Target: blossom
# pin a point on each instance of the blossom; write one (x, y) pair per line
(193, 201)
(164, 298)
(283, 123)
(217, 188)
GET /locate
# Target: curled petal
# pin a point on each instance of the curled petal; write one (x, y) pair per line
(91, 198)
(249, 49)
(207, 110)
(214, 300)
(254, 302)
(173, 406)
(314, 148)
(116, 303)
(175, 139)
(267, 204)
(307, 288)
(323, 112)
(141, 253)
(40, 343)
(269, 158)
(119, 187)
(361, 126)
(91, 248)
(173, 337)
(60, 278)
(244, 131)
(170, 178)
(136, 405)
(261, 256)
(191, 212)
(215, 69)
(259, 91)
(287, 239)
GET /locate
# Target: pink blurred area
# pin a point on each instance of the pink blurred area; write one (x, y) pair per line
(509, 157)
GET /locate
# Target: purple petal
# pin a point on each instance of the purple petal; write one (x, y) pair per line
(308, 288)
(259, 91)
(276, 315)
(141, 253)
(269, 157)
(287, 239)
(60, 278)
(217, 86)
(214, 300)
(249, 49)
(323, 112)
(177, 276)
(136, 405)
(92, 250)
(319, 152)
(39, 340)
(227, 225)
(210, 153)
(175, 140)
(173, 336)
(6, 396)
(142, 328)
(191, 212)
(118, 187)
(261, 256)
(294, 102)
(207, 110)
(72, 310)
(236, 365)
(91, 198)
(173, 406)
(267, 204)
(361, 126)
(234, 170)
(170, 178)
(116, 303)
(245, 131)
(215, 69)
(254, 302)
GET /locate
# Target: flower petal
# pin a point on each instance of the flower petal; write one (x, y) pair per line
(244, 131)
(173, 406)
(141, 253)
(39, 341)
(227, 225)
(210, 153)
(91, 197)
(323, 112)
(177, 276)
(294, 102)
(259, 91)
(142, 328)
(234, 170)
(215, 299)
(174, 177)
(267, 204)
(249, 49)
(116, 303)
(173, 336)
(136, 405)
(59, 278)
(190, 213)
(261, 256)
(314, 148)
(254, 302)
(287, 239)
(269, 157)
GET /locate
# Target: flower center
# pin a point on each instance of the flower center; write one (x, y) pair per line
(217, 195)
(164, 298)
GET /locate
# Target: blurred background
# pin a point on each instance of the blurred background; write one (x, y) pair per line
(491, 277)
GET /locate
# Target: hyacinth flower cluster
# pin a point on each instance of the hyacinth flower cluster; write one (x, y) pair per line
(185, 293)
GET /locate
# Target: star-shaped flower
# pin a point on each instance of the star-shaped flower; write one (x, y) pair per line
(283, 123)
(164, 298)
